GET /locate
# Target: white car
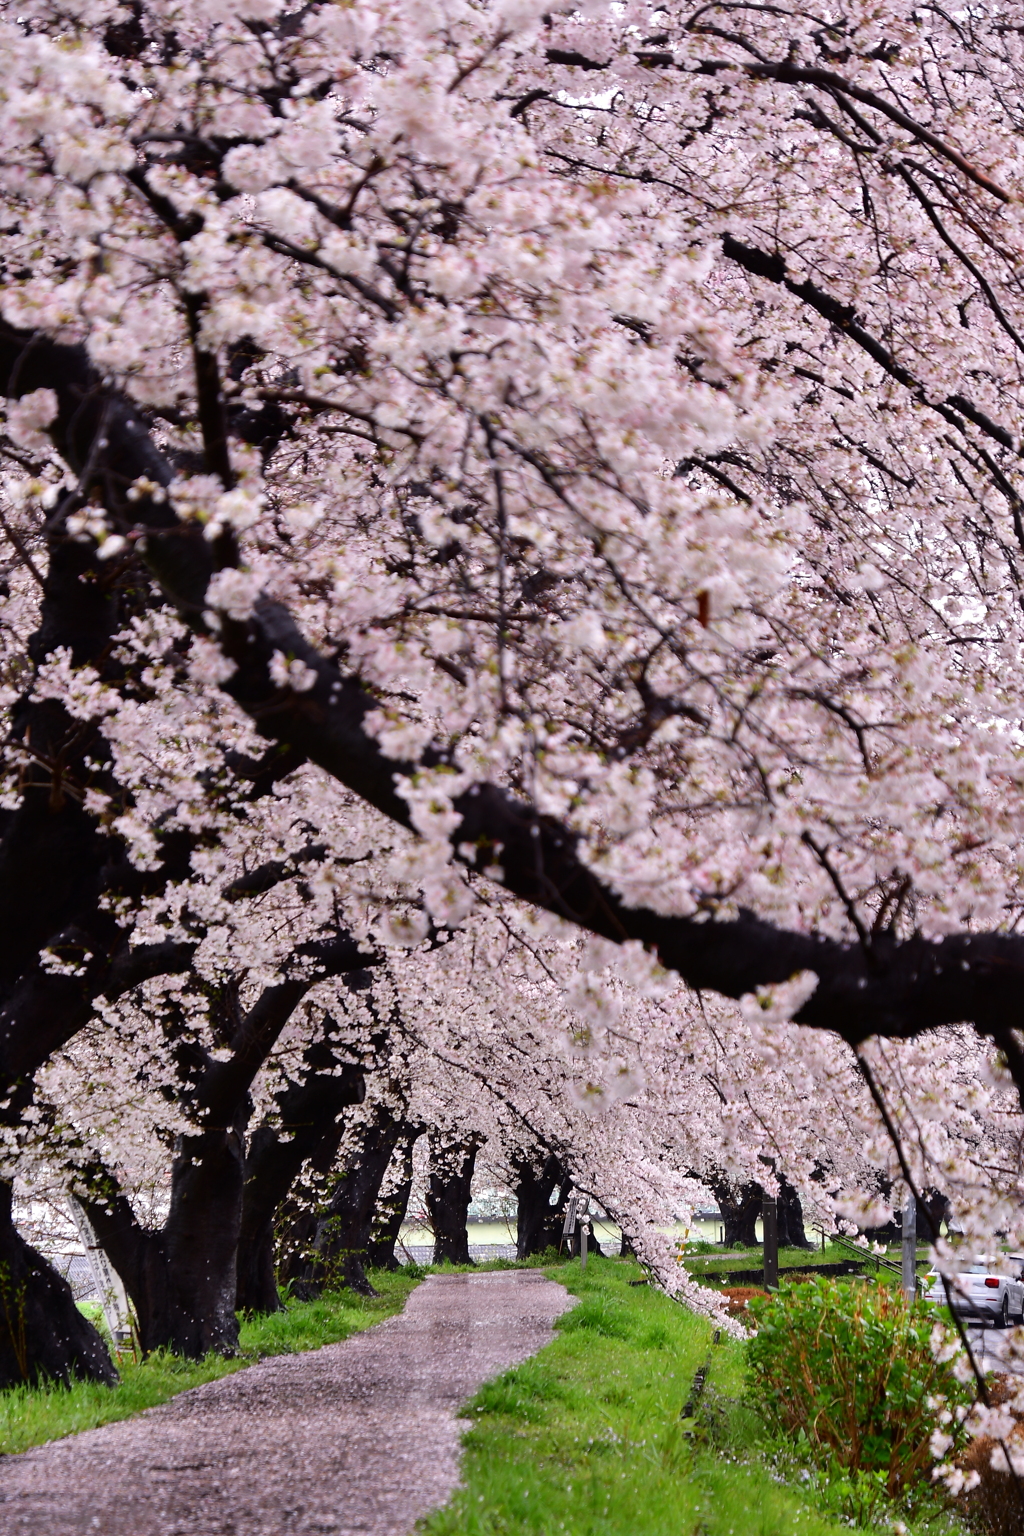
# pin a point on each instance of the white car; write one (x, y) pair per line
(977, 1291)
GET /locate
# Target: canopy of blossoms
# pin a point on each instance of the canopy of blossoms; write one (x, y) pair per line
(477, 473)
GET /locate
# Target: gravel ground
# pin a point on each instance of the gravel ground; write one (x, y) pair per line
(359, 1437)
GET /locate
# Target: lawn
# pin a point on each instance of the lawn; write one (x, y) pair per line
(706, 1261)
(587, 1438)
(32, 1415)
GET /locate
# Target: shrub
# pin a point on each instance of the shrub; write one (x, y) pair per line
(848, 1369)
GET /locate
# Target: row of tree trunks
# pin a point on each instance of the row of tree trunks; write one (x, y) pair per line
(740, 1206)
(392, 1205)
(341, 1238)
(360, 1225)
(452, 1161)
(309, 1125)
(182, 1278)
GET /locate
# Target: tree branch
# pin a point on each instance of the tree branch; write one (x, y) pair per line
(901, 988)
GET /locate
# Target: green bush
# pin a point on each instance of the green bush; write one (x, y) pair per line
(848, 1371)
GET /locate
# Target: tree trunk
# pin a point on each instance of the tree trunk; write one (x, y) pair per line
(268, 1173)
(792, 1233)
(448, 1196)
(343, 1232)
(740, 1210)
(392, 1206)
(182, 1279)
(309, 1127)
(43, 1336)
(294, 1239)
(933, 1208)
(539, 1219)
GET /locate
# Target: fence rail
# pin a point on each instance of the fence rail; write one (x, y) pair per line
(863, 1254)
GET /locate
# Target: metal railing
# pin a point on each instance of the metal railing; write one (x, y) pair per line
(855, 1249)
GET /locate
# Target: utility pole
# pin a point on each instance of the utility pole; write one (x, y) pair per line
(910, 1248)
(770, 1235)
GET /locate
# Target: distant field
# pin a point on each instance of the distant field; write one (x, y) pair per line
(489, 1233)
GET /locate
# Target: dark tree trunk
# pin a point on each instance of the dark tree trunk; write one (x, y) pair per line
(294, 1238)
(182, 1279)
(343, 1231)
(448, 1196)
(392, 1206)
(42, 1333)
(740, 1210)
(933, 1208)
(792, 1233)
(539, 1218)
(789, 1211)
(309, 1128)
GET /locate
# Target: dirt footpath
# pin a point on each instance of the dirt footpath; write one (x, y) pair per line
(359, 1437)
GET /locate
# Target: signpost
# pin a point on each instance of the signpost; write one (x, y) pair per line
(577, 1213)
(770, 1234)
(570, 1220)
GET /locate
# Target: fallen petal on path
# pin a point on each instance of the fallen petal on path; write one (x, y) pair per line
(356, 1439)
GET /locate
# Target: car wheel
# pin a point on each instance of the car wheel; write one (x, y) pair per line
(1004, 1313)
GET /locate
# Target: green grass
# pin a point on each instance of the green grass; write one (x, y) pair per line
(32, 1415)
(789, 1258)
(586, 1437)
(703, 1264)
(484, 1266)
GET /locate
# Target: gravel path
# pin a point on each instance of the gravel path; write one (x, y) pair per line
(359, 1437)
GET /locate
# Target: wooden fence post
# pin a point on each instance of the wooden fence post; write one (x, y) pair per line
(770, 1234)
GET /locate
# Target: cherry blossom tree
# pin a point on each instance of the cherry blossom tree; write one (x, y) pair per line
(581, 450)
(670, 600)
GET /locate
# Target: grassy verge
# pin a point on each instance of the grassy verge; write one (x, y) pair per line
(32, 1415)
(587, 1437)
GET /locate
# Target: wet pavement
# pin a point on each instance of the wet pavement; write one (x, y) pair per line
(991, 1347)
(357, 1439)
